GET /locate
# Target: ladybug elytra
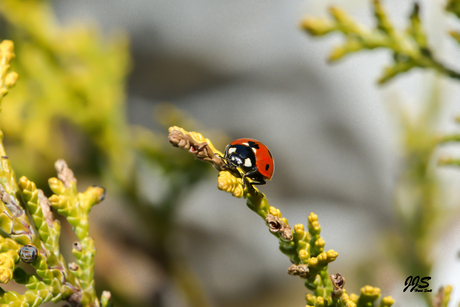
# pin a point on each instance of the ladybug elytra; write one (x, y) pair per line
(254, 159)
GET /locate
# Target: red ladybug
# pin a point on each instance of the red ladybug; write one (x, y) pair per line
(252, 157)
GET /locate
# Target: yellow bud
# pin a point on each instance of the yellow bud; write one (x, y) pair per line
(55, 201)
(274, 211)
(238, 192)
(7, 46)
(332, 254)
(56, 185)
(303, 254)
(337, 53)
(11, 79)
(310, 298)
(317, 26)
(23, 183)
(367, 289)
(230, 184)
(370, 291)
(315, 225)
(354, 297)
(320, 242)
(387, 301)
(299, 227)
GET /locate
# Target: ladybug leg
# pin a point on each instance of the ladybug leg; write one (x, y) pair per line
(258, 182)
(225, 165)
(255, 181)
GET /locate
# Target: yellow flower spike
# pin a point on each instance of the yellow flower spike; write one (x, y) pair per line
(313, 262)
(303, 255)
(92, 196)
(274, 211)
(354, 298)
(299, 228)
(11, 79)
(230, 184)
(332, 255)
(320, 302)
(347, 300)
(59, 202)
(313, 224)
(320, 243)
(57, 186)
(301, 237)
(387, 301)
(7, 266)
(8, 257)
(368, 295)
(7, 80)
(322, 258)
(339, 52)
(54, 201)
(311, 299)
(317, 26)
(370, 291)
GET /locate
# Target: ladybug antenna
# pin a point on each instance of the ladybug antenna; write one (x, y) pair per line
(226, 163)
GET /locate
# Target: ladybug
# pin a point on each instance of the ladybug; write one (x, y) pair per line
(254, 159)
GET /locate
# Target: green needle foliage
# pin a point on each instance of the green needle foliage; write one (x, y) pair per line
(409, 47)
(73, 87)
(53, 279)
(417, 197)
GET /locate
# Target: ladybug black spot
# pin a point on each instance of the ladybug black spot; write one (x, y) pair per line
(253, 145)
(267, 167)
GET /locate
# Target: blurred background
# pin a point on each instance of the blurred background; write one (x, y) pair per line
(101, 82)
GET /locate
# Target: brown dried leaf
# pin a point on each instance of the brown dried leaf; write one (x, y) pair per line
(64, 173)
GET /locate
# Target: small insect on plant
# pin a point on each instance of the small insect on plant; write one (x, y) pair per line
(248, 160)
(254, 159)
(28, 253)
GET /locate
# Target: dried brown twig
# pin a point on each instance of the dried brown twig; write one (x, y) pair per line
(201, 150)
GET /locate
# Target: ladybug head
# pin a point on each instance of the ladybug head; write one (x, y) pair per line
(239, 156)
